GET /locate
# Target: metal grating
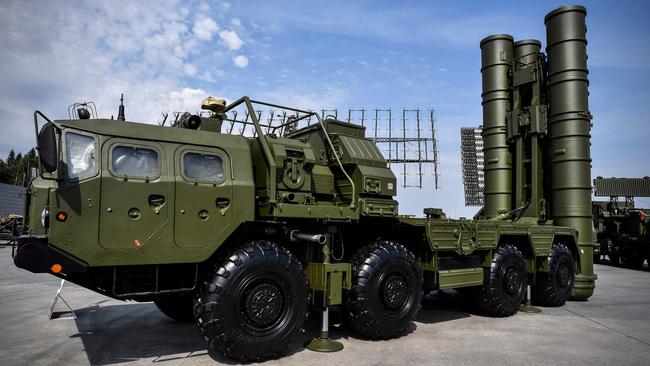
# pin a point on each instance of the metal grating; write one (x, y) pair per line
(622, 187)
(12, 199)
(472, 159)
(406, 137)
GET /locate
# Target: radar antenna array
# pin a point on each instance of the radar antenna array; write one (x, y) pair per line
(472, 161)
(406, 137)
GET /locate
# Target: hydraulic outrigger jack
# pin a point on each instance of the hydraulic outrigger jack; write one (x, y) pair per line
(327, 281)
(527, 307)
(323, 343)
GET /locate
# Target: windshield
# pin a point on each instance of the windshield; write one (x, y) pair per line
(80, 155)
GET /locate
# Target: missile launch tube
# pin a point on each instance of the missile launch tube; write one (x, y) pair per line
(569, 131)
(525, 52)
(496, 58)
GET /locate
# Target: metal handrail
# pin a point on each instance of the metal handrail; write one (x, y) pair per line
(266, 148)
(338, 160)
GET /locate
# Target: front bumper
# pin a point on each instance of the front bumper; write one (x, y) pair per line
(35, 255)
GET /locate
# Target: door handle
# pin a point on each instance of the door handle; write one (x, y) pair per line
(222, 202)
(156, 202)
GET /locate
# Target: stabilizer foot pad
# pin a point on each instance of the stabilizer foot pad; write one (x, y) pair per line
(319, 344)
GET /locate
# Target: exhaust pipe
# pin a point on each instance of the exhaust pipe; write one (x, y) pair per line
(296, 235)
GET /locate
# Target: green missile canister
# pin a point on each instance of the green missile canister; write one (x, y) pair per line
(496, 58)
(526, 52)
(569, 129)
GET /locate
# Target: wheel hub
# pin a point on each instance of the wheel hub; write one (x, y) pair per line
(263, 304)
(512, 281)
(394, 292)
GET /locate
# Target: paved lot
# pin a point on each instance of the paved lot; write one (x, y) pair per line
(612, 328)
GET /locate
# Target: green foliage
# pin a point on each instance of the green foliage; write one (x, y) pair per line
(16, 168)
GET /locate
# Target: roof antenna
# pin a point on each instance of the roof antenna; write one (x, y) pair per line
(120, 113)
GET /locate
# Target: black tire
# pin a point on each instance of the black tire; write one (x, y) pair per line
(504, 286)
(254, 304)
(553, 288)
(386, 291)
(177, 306)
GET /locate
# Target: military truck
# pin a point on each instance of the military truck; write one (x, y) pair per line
(622, 228)
(246, 234)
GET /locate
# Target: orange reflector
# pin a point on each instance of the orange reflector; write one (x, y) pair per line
(56, 268)
(137, 243)
(61, 216)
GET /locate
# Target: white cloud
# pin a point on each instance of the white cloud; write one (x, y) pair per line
(231, 39)
(204, 28)
(236, 22)
(190, 70)
(147, 57)
(225, 5)
(187, 99)
(207, 76)
(240, 61)
(308, 99)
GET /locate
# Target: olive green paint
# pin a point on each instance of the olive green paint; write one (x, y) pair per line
(496, 60)
(569, 132)
(329, 176)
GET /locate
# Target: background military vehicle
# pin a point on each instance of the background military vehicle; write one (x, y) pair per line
(246, 233)
(622, 229)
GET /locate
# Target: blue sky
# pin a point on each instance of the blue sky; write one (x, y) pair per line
(168, 55)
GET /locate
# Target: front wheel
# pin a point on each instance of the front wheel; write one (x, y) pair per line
(554, 288)
(254, 304)
(504, 287)
(386, 290)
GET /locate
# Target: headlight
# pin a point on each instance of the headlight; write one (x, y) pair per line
(45, 217)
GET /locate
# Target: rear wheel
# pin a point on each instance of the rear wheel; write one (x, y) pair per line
(553, 288)
(504, 287)
(386, 290)
(254, 304)
(177, 306)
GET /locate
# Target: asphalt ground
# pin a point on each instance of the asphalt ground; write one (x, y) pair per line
(612, 328)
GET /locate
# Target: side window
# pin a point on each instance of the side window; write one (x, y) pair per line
(134, 162)
(80, 155)
(203, 167)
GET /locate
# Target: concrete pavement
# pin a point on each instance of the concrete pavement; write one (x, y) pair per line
(612, 328)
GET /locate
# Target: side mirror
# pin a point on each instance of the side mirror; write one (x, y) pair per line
(47, 147)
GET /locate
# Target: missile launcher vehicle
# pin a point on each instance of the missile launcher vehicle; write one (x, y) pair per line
(622, 228)
(246, 234)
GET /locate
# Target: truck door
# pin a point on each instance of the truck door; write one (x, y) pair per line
(204, 197)
(134, 194)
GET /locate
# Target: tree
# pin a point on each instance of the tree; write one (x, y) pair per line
(16, 169)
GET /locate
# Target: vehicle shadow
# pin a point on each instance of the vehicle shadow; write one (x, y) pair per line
(443, 306)
(134, 331)
(121, 333)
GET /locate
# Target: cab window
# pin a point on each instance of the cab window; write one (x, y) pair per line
(80, 155)
(134, 161)
(203, 167)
